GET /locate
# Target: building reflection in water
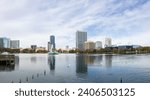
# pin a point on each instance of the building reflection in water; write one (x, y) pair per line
(89, 59)
(51, 62)
(16, 62)
(9, 68)
(33, 59)
(108, 61)
(98, 60)
(94, 60)
(82, 61)
(81, 65)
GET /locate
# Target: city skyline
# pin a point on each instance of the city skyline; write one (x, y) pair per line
(32, 22)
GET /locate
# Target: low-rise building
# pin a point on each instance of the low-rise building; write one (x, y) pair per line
(89, 45)
(14, 44)
(40, 49)
(98, 45)
(33, 47)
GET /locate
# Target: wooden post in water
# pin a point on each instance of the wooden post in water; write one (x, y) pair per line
(27, 79)
(121, 80)
(44, 72)
(20, 81)
(32, 76)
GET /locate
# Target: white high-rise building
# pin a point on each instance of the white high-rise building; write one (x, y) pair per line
(81, 38)
(51, 44)
(98, 45)
(15, 44)
(108, 42)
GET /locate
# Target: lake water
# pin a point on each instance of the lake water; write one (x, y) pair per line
(74, 68)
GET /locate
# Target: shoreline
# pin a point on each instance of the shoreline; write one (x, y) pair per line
(88, 53)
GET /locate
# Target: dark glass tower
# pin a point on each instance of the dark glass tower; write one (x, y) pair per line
(52, 41)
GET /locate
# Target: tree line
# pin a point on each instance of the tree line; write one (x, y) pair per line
(139, 50)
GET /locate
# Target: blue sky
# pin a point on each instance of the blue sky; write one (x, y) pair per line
(33, 21)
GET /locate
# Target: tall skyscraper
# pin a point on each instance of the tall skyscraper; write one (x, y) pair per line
(4, 42)
(81, 38)
(15, 44)
(52, 40)
(51, 43)
(108, 42)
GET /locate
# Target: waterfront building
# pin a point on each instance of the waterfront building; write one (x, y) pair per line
(89, 45)
(49, 46)
(98, 45)
(108, 42)
(15, 44)
(40, 49)
(128, 46)
(52, 42)
(81, 38)
(33, 47)
(4, 42)
(136, 46)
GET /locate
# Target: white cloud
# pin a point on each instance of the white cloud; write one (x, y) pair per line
(33, 21)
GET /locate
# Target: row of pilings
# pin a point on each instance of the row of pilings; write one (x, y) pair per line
(28, 78)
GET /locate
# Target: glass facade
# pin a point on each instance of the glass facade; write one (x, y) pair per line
(52, 41)
(15, 44)
(4, 42)
(81, 37)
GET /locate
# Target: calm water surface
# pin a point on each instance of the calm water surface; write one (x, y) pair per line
(72, 68)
